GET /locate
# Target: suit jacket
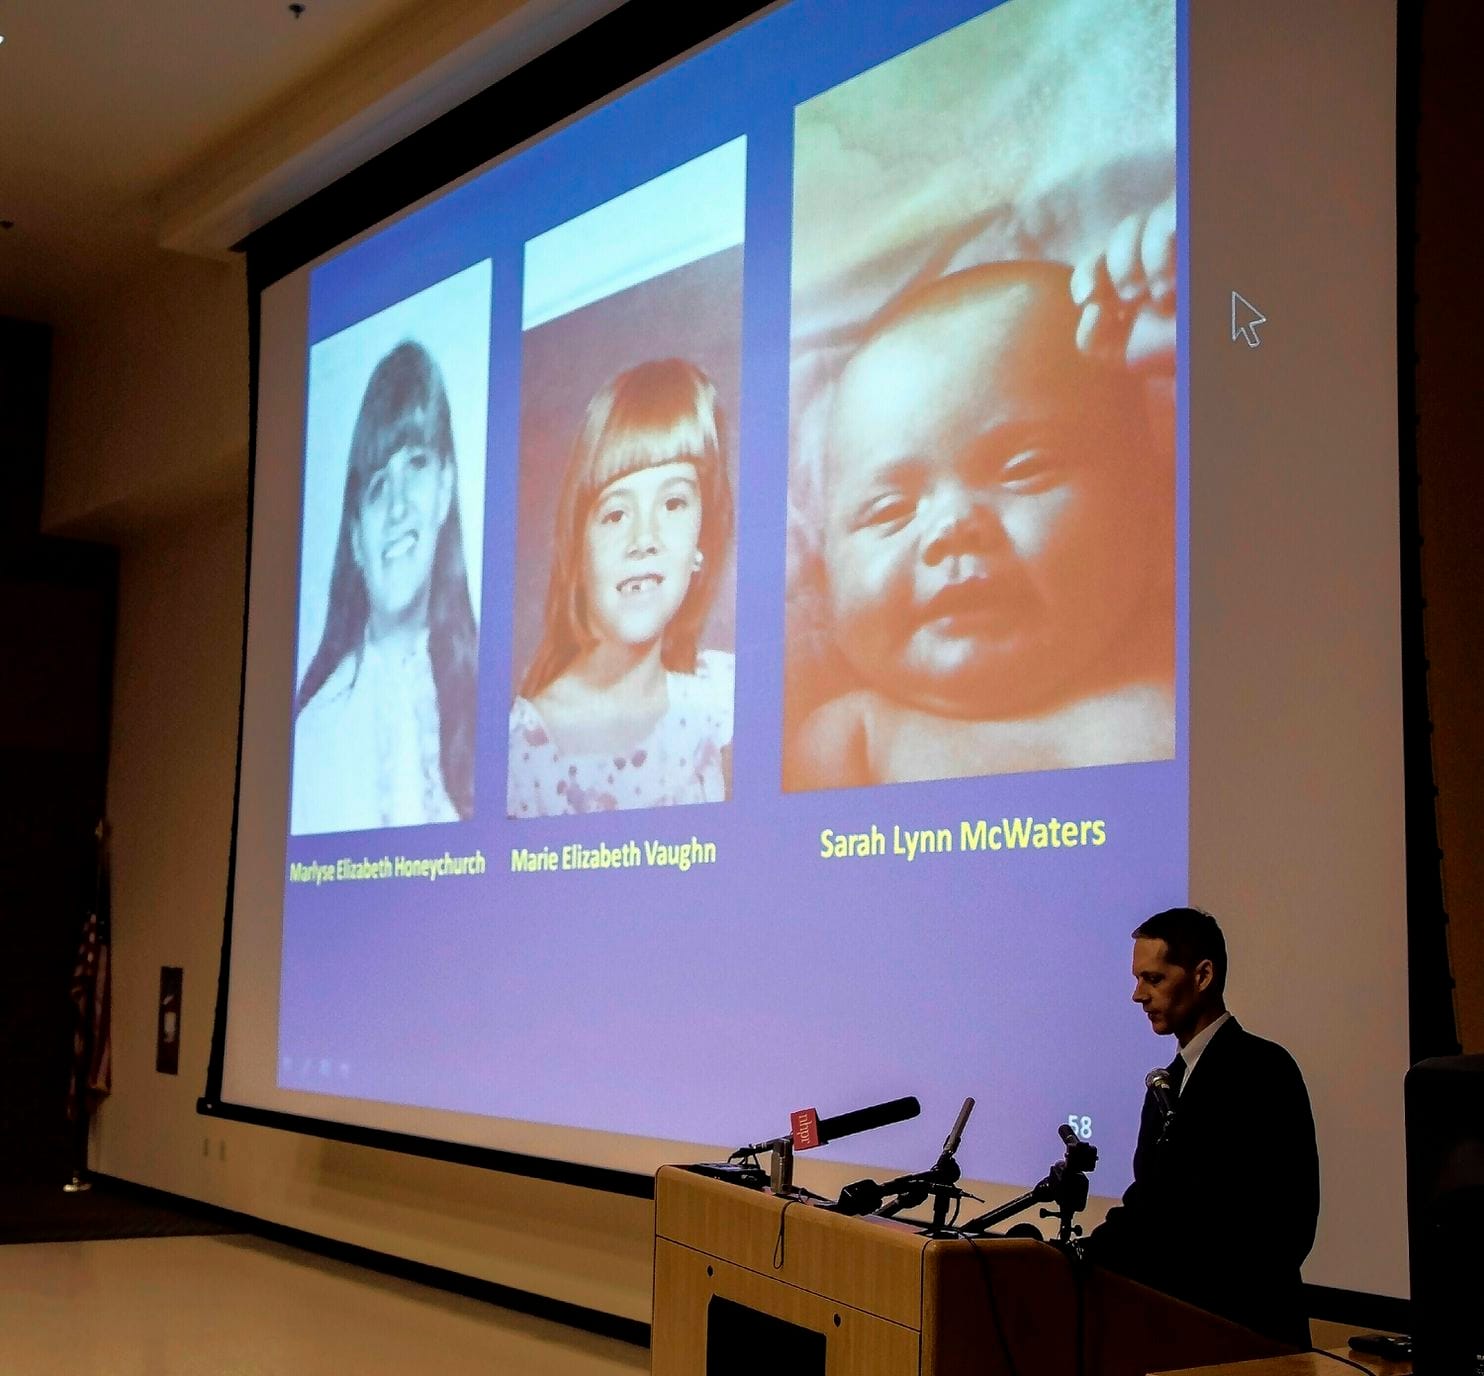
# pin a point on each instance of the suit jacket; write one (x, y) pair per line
(1222, 1212)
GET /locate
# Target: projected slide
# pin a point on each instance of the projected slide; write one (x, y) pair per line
(740, 613)
(982, 570)
(626, 670)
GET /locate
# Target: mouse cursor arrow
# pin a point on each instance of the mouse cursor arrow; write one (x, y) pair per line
(1245, 320)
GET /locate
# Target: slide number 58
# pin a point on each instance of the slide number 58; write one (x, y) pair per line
(1081, 1124)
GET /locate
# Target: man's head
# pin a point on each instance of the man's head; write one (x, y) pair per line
(1180, 971)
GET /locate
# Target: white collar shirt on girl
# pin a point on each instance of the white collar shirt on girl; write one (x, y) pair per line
(367, 746)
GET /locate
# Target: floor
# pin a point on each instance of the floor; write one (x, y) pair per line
(34, 1210)
(240, 1306)
(236, 1305)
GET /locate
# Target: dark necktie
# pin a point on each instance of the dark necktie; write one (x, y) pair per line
(1177, 1076)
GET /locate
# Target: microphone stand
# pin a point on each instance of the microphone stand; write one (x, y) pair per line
(912, 1190)
(940, 1182)
(1065, 1186)
(781, 1173)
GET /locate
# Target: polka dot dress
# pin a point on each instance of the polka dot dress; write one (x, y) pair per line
(680, 761)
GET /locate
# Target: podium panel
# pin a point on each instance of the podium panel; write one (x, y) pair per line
(857, 1343)
(890, 1302)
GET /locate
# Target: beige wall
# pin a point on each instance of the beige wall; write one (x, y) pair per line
(149, 425)
(149, 401)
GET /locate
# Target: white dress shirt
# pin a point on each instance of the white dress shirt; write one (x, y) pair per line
(1190, 1053)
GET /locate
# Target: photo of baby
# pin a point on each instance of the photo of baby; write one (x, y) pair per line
(982, 469)
(625, 589)
(388, 645)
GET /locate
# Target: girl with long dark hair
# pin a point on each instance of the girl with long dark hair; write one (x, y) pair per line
(384, 731)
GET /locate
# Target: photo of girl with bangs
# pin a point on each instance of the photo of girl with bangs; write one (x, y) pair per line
(385, 712)
(620, 707)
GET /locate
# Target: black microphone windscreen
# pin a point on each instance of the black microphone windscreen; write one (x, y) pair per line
(863, 1197)
(864, 1119)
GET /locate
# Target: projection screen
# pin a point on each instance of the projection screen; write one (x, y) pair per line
(755, 593)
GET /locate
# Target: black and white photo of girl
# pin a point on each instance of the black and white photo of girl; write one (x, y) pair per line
(386, 696)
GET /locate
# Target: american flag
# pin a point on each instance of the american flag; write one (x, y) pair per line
(92, 1069)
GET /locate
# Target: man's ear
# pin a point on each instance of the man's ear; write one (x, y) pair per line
(1204, 973)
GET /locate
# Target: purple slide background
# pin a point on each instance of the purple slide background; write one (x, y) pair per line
(704, 1006)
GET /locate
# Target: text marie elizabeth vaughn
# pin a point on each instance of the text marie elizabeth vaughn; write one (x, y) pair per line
(630, 854)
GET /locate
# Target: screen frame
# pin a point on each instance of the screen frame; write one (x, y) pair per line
(595, 65)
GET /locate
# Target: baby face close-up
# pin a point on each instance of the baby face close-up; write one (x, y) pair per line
(395, 536)
(640, 552)
(990, 521)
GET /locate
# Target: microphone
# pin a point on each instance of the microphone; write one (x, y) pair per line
(865, 1119)
(863, 1197)
(950, 1146)
(1157, 1082)
(1068, 1137)
(815, 1131)
(946, 1170)
(867, 1197)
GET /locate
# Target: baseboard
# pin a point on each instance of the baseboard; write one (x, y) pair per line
(437, 1277)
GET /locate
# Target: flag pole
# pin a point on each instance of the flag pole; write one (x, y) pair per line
(91, 968)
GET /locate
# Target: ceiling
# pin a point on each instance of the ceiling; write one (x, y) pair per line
(126, 128)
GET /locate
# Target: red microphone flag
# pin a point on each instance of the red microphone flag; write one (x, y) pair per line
(804, 1124)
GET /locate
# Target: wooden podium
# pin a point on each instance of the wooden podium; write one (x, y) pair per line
(872, 1297)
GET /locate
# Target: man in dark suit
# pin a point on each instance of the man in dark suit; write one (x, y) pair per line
(1225, 1197)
